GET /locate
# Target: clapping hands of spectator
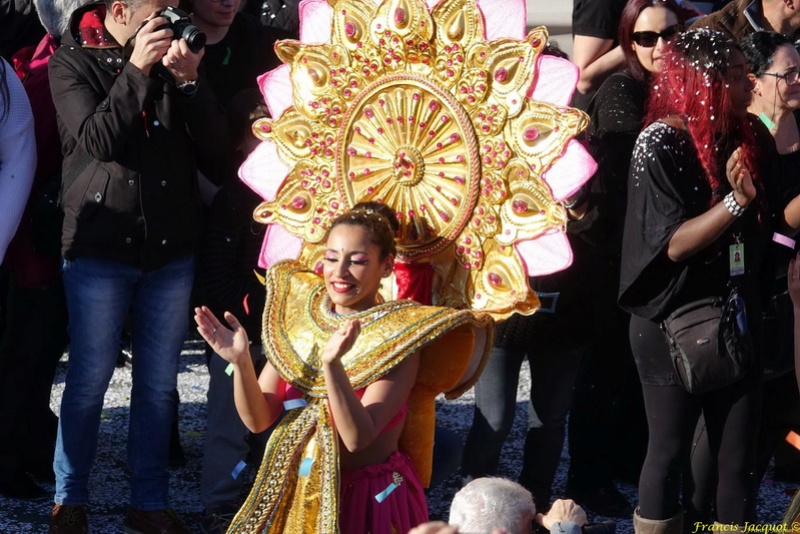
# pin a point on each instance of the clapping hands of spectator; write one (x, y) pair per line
(562, 510)
(739, 177)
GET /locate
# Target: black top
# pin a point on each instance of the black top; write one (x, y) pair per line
(667, 187)
(616, 121)
(789, 174)
(245, 53)
(617, 114)
(231, 66)
(597, 18)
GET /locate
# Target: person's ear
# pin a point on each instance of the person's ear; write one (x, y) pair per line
(756, 83)
(388, 267)
(119, 11)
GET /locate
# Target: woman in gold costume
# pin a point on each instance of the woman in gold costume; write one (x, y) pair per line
(343, 365)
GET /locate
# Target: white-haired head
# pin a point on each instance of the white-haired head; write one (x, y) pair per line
(488, 503)
(55, 14)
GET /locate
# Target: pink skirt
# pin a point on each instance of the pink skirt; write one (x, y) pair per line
(370, 505)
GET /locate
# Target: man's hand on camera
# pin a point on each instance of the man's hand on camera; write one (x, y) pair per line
(182, 62)
(150, 44)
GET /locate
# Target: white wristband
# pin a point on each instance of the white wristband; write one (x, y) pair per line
(736, 209)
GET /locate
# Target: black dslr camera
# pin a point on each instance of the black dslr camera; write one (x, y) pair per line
(181, 25)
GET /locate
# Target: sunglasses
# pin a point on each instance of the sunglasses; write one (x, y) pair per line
(649, 39)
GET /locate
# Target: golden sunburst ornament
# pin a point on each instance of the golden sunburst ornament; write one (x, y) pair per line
(417, 108)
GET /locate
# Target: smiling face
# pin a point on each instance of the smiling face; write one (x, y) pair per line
(774, 92)
(739, 86)
(353, 268)
(653, 19)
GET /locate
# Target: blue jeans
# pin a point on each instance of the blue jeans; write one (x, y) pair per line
(100, 293)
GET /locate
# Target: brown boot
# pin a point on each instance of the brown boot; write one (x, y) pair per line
(67, 519)
(673, 525)
(153, 522)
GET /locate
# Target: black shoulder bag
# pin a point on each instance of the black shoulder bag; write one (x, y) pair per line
(710, 342)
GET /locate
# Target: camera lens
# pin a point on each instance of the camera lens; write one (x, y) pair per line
(195, 38)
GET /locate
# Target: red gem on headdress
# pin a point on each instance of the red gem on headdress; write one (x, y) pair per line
(530, 134)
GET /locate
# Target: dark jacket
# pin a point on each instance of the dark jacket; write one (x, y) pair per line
(19, 26)
(129, 141)
(738, 19)
(730, 19)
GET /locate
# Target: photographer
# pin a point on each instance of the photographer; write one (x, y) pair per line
(132, 115)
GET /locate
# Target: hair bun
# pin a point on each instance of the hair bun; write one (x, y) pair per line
(378, 208)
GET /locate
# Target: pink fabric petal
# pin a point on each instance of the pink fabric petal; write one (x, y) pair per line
(316, 19)
(570, 171)
(546, 254)
(276, 86)
(263, 170)
(504, 18)
(555, 82)
(278, 245)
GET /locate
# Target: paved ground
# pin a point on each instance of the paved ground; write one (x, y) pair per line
(109, 484)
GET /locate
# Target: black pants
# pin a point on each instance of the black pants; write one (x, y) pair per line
(31, 347)
(553, 375)
(732, 419)
(607, 423)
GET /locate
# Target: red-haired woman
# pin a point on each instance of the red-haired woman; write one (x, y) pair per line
(695, 198)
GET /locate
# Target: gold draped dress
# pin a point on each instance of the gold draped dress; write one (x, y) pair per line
(298, 320)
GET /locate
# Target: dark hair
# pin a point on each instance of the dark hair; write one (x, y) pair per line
(693, 86)
(133, 5)
(244, 108)
(553, 49)
(627, 21)
(759, 47)
(378, 219)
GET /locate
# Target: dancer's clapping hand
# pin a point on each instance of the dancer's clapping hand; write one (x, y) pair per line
(231, 345)
(341, 341)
